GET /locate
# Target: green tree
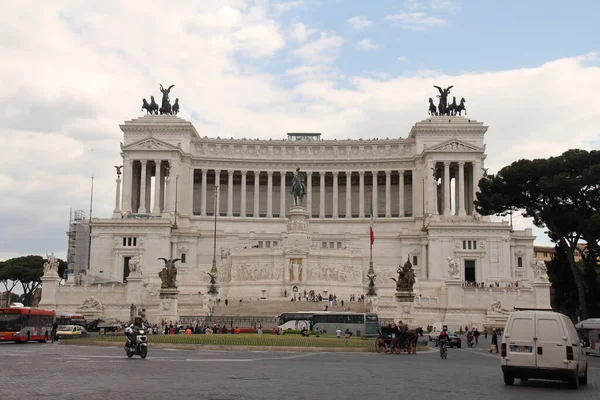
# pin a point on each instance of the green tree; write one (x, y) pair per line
(560, 193)
(8, 279)
(28, 272)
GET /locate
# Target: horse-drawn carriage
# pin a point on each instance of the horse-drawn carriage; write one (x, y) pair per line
(389, 341)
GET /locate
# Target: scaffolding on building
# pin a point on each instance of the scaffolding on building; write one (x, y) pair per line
(79, 245)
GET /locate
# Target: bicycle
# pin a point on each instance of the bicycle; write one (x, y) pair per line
(443, 350)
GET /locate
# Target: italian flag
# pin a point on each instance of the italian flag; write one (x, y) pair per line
(371, 233)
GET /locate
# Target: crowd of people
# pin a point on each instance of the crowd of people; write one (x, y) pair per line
(483, 285)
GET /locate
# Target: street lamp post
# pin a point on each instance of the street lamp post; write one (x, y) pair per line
(213, 271)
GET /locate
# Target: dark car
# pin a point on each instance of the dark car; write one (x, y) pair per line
(453, 341)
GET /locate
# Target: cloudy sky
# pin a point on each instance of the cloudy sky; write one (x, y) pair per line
(73, 71)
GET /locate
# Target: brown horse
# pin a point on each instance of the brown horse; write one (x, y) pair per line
(411, 340)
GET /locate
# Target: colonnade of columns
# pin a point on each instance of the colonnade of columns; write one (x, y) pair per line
(452, 179)
(137, 187)
(331, 196)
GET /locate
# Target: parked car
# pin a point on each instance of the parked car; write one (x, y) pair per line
(542, 345)
(71, 331)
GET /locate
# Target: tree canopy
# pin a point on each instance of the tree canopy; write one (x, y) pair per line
(561, 194)
(27, 271)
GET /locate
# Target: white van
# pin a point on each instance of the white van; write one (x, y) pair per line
(542, 345)
(439, 326)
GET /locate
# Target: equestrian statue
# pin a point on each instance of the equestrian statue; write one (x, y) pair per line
(298, 187)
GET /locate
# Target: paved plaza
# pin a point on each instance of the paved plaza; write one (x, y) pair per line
(53, 371)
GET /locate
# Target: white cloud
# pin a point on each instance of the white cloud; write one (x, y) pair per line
(325, 49)
(301, 32)
(416, 20)
(366, 45)
(260, 40)
(402, 58)
(61, 126)
(359, 22)
(283, 7)
(436, 5)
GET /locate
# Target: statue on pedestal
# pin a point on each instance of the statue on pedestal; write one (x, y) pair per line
(168, 275)
(496, 307)
(135, 265)
(406, 277)
(453, 268)
(540, 271)
(51, 265)
(298, 187)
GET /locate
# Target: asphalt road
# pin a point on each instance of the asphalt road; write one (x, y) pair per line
(52, 371)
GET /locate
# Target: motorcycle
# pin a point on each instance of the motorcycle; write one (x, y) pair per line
(137, 343)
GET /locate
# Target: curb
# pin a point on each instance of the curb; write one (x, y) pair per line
(182, 346)
(230, 348)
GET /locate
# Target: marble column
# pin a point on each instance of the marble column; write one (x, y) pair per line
(388, 194)
(431, 198)
(447, 207)
(374, 195)
(243, 195)
(127, 184)
(423, 270)
(322, 195)
(269, 194)
(348, 194)
(335, 194)
(158, 186)
(118, 195)
(282, 194)
(230, 193)
(401, 193)
(191, 191)
(461, 188)
(217, 206)
(309, 193)
(204, 178)
(256, 194)
(144, 169)
(361, 194)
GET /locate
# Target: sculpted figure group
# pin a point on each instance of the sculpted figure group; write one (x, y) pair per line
(443, 107)
(168, 275)
(406, 278)
(165, 108)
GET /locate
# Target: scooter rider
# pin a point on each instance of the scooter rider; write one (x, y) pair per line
(443, 339)
(132, 329)
(470, 336)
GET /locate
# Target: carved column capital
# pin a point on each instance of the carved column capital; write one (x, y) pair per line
(270, 173)
(461, 163)
(388, 172)
(361, 173)
(322, 173)
(244, 172)
(335, 173)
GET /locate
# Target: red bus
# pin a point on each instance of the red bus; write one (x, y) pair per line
(22, 324)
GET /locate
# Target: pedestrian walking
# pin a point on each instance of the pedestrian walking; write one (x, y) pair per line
(494, 345)
(338, 333)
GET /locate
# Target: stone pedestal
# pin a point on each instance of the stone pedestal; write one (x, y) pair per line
(50, 284)
(455, 293)
(134, 289)
(541, 293)
(297, 228)
(168, 305)
(405, 302)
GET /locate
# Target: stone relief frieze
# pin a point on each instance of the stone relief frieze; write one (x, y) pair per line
(344, 149)
(149, 144)
(256, 272)
(343, 273)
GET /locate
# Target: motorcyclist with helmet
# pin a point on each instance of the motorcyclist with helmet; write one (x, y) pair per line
(132, 330)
